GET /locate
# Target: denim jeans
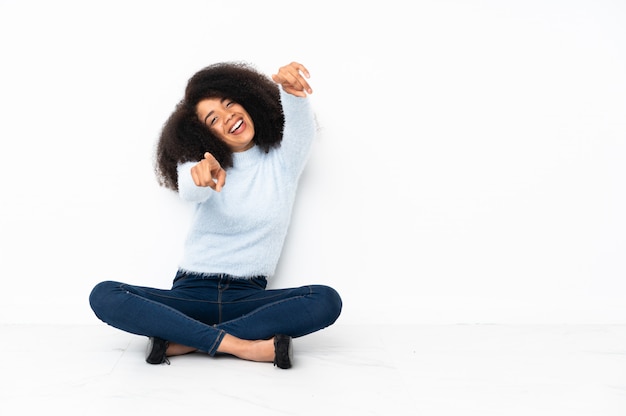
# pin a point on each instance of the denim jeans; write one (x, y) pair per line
(200, 309)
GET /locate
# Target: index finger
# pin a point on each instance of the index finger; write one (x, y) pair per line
(301, 68)
(220, 180)
(301, 76)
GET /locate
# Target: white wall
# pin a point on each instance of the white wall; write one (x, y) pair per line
(470, 167)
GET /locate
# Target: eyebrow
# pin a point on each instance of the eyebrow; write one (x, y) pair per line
(211, 112)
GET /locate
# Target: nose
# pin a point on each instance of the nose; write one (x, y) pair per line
(228, 114)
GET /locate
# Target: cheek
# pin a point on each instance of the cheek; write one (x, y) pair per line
(250, 122)
(217, 130)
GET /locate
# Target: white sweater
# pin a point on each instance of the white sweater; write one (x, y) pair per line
(240, 231)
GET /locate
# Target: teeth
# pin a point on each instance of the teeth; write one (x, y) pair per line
(236, 126)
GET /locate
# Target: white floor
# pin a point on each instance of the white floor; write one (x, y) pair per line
(425, 370)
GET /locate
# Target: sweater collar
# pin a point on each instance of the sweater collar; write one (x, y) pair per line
(248, 158)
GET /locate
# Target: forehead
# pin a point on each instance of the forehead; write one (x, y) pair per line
(207, 104)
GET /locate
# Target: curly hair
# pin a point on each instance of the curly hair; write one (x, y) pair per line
(184, 138)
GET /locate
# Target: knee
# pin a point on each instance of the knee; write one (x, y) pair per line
(331, 302)
(100, 298)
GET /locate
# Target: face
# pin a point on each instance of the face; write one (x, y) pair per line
(229, 121)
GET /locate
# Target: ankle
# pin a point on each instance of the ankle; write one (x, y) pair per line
(178, 349)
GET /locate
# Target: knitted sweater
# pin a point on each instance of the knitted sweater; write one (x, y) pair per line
(240, 230)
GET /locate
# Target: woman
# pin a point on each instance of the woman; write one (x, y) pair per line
(235, 146)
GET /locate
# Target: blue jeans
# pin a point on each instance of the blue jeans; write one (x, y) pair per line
(200, 309)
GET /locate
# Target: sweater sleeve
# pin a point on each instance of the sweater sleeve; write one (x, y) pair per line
(187, 189)
(299, 132)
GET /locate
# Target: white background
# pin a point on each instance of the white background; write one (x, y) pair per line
(470, 166)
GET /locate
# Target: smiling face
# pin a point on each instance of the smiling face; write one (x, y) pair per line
(229, 121)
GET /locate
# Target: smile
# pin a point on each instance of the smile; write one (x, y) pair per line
(236, 126)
